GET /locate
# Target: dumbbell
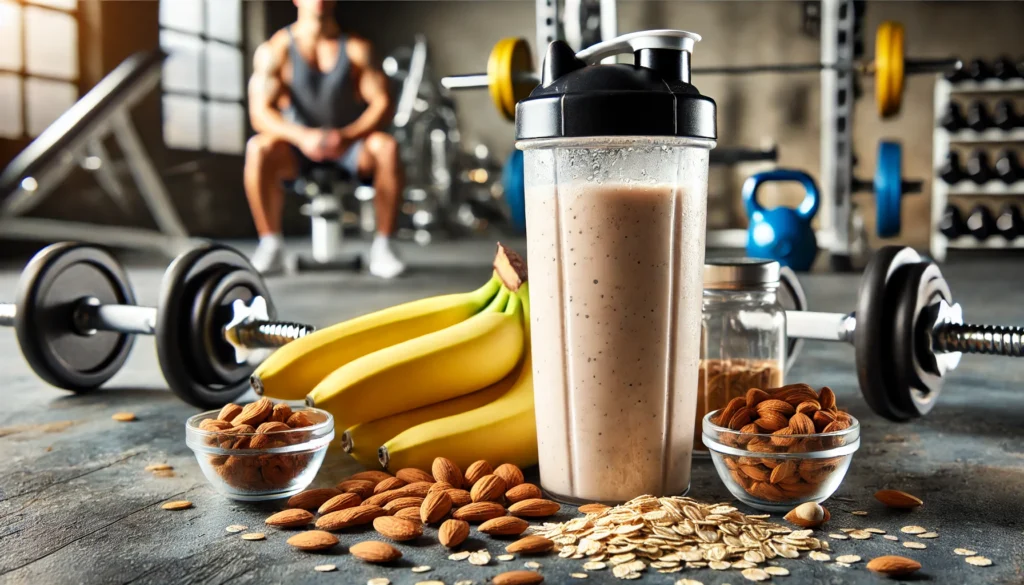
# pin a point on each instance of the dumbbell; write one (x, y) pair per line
(1005, 117)
(76, 318)
(980, 223)
(907, 332)
(1008, 167)
(1010, 223)
(978, 118)
(979, 168)
(952, 224)
(978, 70)
(953, 119)
(952, 172)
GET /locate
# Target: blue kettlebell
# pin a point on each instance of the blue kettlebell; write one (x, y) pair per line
(782, 233)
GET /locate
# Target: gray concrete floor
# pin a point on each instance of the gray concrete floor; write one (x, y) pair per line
(76, 505)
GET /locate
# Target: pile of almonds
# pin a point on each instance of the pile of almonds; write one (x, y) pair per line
(259, 425)
(779, 421)
(719, 381)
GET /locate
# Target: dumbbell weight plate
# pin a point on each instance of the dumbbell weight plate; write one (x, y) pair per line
(873, 338)
(237, 285)
(889, 68)
(888, 189)
(51, 285)
(202, 360)
(180, 288)
(916, 384)
(509, 58)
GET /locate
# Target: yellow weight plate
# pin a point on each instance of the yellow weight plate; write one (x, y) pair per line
(896, 65)
(499, 74)
(889, 68)
(521, 62)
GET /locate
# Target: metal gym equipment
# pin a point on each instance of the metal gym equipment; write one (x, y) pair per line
(76, 139)
(75, 318)
(907, 332)
(511, 77)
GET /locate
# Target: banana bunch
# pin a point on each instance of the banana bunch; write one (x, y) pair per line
(446, 375)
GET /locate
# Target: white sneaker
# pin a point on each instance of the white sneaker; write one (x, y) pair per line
(269, 255)
(384, 262)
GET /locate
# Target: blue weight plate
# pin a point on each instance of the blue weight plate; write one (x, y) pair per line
(888, 189)
(515, 190)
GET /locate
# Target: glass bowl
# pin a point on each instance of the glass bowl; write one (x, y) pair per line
(285, 463)
(775, 473)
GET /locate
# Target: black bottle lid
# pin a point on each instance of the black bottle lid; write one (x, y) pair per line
(653, 97)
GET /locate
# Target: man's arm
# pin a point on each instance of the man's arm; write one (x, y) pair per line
(373, 88)
(265, 88)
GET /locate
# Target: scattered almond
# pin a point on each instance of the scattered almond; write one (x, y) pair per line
(504, 526)
(229, 412)
(534, 508)
(459, 498)
(517, 578)
(401, 503)
(452, 533)
(418, 489)
(413, 475)
(177, 505)
(532, 544)
(361, 487)
(439, 486)
(340, 502)
(476, 470)
(808, 515)
(374, 476)
(123, 416)
(293, 518)
(384, 498)
(409, 514)
(435, 507)
(479, 511)
(898, 499)
(313, 540)
(490, 488)
(391, 483)
(523, 491)
(444, 469)
(373, 551)
(893, 565)
(363, 514)
(312, 499)
(397, 529)
(512, 475)
(592, 508)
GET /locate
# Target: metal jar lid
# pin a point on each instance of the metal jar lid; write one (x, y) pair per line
(740, 273)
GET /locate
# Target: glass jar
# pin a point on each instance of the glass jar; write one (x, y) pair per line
(743, 332)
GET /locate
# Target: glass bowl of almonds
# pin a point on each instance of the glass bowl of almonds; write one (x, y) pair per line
(780, 447)
(262, 451)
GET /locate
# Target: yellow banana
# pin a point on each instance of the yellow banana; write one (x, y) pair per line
(437, 366)
(295, 369)
(503, 431)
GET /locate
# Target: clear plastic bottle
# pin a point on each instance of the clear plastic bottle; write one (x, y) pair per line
(743, 332)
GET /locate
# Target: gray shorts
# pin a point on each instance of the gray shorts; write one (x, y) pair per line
(348, 161)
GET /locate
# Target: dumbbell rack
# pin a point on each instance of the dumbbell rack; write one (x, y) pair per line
(941, 141)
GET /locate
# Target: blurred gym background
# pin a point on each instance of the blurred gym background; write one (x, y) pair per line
(194, 124)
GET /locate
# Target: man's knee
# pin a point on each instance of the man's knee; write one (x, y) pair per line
(383, 146)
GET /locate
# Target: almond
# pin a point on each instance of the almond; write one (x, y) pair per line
(534, 508)
(340, 502)
(254, 413)
(532, 544)
(373, 551)
(229, 412)
(594, 508)
(459, 497)
(418, 489)
(800, 424)
(755, 396)
(730, 409)
(360, 487)
(401, 503)
(808, 407)
(374, 475)
(822, 418)
(440, 486)
(808, 515)
(281, 413)
(795, 397)
(523, 491)
(397, 529)
(489, 489)
(391, 483)
(476, 470)
(299, 420)
(349, 517)
(836, 426)
(479, 511)
(413, 475)
(827, 398)
(504, 526)
(783, 471)
(435, 507)
(312, 499)
(272, 427)
(743, 417)
(898, 499)
(893, 565)
(770, 421)
(293, 518)
(775, 405)
(512, 475)
(409, 514)
(384, 498)
(517, 578)
(445, 469)
(781, 438)
(213, 425)
(313, 540)
(452, 533)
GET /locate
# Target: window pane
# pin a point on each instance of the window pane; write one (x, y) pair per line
(182, 122)
(181, 69)
(45, 101)
(62, 4)
(224, 20)
(186, 15)
(10, 36)
(223, 71)
(10, 105)
(51, 43)
(225, 127)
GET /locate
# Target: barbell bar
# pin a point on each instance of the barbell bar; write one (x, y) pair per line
(75, 318)
(510, 75)
(907, 333)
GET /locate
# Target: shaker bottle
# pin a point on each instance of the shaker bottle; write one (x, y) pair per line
(616, 171)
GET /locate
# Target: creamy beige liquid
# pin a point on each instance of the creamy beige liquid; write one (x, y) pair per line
(615, 289)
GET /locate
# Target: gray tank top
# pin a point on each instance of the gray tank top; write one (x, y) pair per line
(322, 99)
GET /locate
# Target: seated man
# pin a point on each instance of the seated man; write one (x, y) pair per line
(317, 96)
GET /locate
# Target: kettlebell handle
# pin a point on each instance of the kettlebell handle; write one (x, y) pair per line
(807, 209)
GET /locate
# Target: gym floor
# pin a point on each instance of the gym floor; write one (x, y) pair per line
(77, 506)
